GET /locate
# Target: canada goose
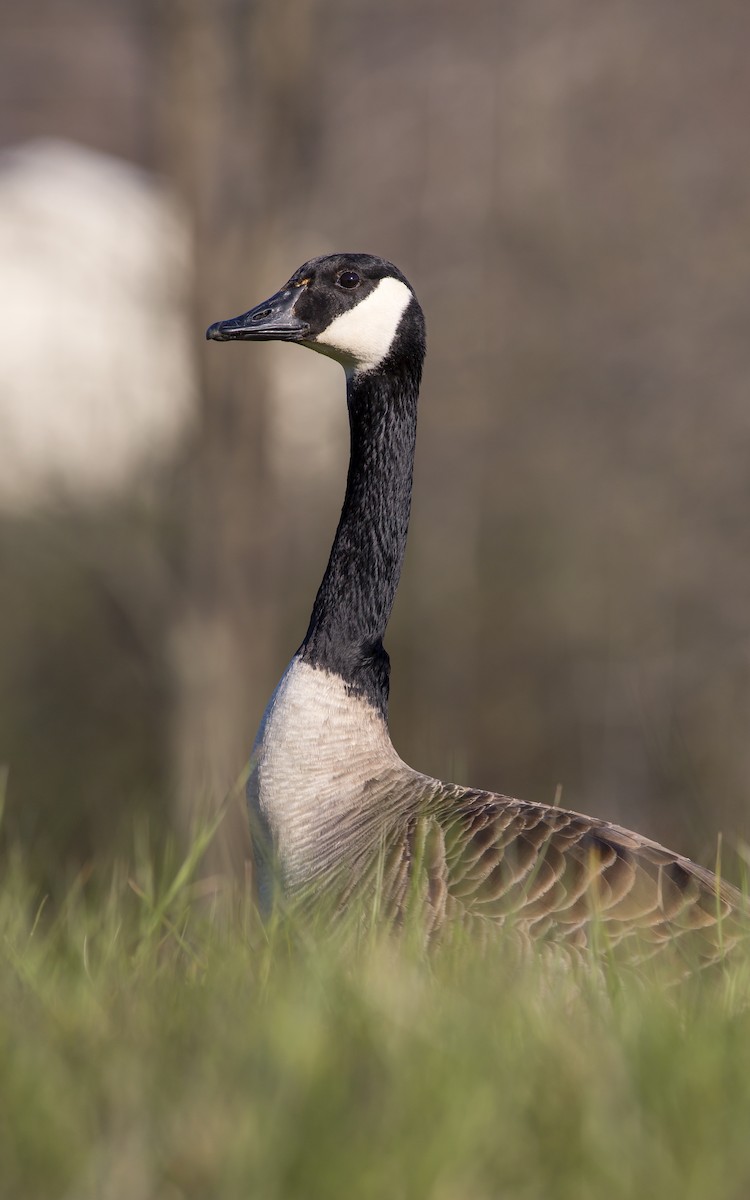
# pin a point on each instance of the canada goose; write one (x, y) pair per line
(328, 792)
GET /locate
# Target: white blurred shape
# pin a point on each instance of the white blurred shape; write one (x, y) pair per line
(97, 376)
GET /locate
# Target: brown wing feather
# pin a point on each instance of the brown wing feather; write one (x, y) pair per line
(481, 861)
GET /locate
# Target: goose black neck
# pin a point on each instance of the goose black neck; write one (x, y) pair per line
(354, 601)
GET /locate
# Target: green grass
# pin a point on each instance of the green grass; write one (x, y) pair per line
(157, 1042)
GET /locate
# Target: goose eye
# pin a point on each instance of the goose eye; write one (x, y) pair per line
(349, 279)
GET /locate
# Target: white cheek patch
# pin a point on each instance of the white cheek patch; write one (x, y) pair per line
(363, 336)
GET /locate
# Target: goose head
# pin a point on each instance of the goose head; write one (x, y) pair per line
(356, 308)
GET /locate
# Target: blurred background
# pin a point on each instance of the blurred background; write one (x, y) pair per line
(567, 185)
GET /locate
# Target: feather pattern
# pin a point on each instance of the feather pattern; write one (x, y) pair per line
(483, 862)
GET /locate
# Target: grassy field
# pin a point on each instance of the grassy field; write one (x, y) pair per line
(156, 1042)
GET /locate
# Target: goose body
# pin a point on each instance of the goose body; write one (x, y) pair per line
(332, 805)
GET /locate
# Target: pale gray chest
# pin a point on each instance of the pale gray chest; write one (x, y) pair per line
(321, 761)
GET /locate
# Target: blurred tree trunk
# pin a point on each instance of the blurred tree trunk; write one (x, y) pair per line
(234, 139)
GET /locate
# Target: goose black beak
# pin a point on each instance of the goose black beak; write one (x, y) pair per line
(272, 321)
